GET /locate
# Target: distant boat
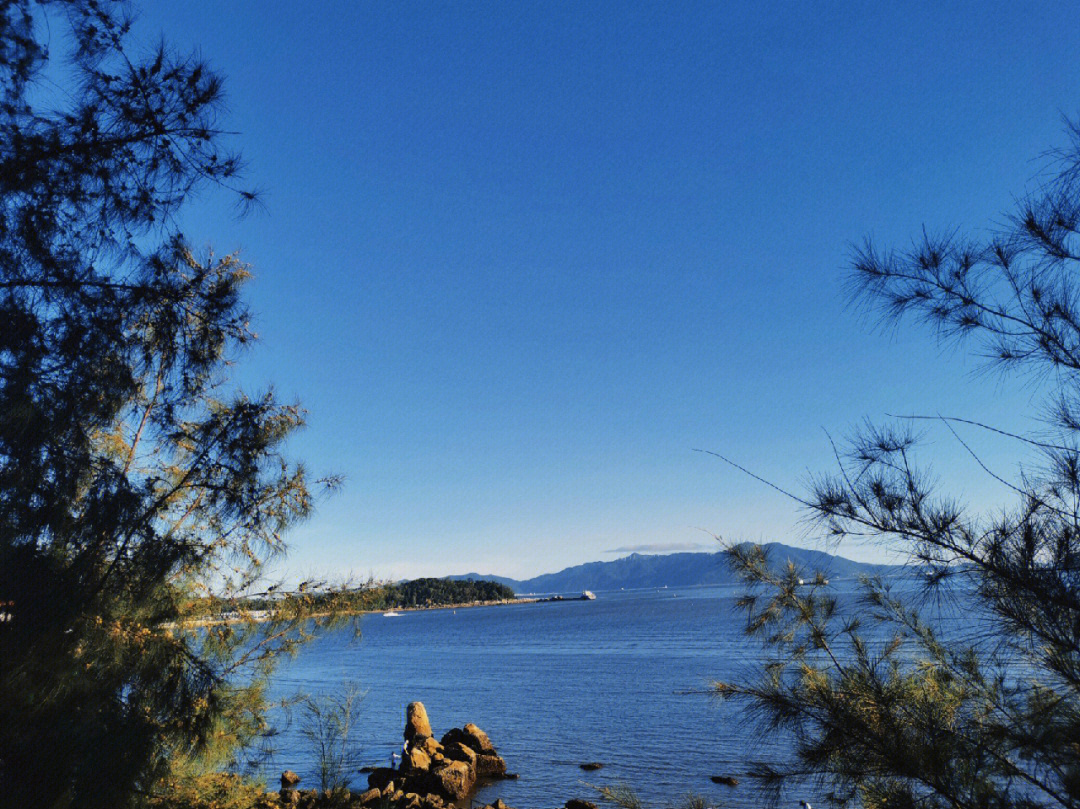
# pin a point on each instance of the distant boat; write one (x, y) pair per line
(588, 595)
(391, 614)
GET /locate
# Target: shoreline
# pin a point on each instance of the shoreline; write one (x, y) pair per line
(262, 616)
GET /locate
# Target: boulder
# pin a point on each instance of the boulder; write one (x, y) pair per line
(370, 796)
(591, 765)
(289, 779)
(431, 747)
(416, 760)
(482, 744)
(417, 726)
(489, 765)
(455, 780)
(453, 736)
(381, 778)
(460, 752)
(501, 804)
(289, 797)
(726, 780)
(578, 803)
(471, 736)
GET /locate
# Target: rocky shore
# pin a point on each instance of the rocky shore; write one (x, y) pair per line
(433, 774)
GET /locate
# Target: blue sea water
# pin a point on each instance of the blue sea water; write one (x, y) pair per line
(623, 680)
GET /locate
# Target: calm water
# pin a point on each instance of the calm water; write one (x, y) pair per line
(619, 680)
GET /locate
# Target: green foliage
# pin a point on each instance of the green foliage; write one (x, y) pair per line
(435, 592)
(328, 722)
(211, 791)
(368, 598)
(883, 709)
(135, 479)
(620, 795)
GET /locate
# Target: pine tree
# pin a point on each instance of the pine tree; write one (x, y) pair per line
(135, 479)
(884, 708)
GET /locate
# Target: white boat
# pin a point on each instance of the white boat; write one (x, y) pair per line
(588, 595)
(391, 614)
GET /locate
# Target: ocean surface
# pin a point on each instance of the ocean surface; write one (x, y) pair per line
(622, 680)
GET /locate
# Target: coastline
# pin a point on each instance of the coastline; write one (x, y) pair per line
(262, 616)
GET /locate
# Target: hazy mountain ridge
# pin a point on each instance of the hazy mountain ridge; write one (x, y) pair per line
(675, 570)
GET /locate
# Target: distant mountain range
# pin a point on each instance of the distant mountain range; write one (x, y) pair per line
(675, 570)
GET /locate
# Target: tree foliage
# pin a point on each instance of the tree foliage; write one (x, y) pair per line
(886, 708)
(366, 598)
(328, 723)
(434, 592)
(134, 476)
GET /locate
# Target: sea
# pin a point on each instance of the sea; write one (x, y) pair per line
(624, 681)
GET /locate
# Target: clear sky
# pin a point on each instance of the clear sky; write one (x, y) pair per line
(518, 260)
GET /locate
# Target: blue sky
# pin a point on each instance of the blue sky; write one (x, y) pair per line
(519, 260)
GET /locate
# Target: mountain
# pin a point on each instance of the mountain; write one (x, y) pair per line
(676, 570)
(513, 584)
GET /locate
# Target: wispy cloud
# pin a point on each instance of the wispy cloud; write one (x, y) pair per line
(663, 547)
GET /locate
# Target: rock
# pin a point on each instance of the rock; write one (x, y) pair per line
(381, 778)
(416, 760)
(501, 804)
(578, 803)
(454, 736)
(454, 780)
(432, 801)
(431, 747)
(511, 776)
(370, 796)
(727, 780)
(388, 790)
(489, 764)
(471, 736)
(460, 752)
(412, 800)
(367, 769)
(289, 779)
(591, 765)
(289, 797)
(417, 725)
(483, 743)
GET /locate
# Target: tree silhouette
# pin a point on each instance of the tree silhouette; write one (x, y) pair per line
(134, 477)
(885, 709)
